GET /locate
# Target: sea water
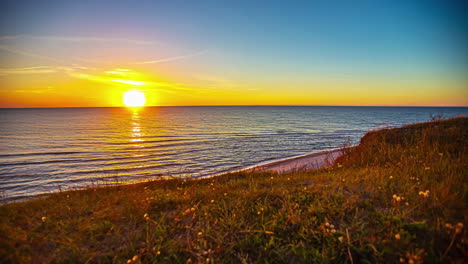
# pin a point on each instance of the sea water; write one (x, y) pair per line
(50, 149)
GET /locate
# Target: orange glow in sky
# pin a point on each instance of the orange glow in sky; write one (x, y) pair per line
(308, 54)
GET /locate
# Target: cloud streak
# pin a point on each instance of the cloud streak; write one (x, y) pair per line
(26, 53)
(169, 59)
(30, 70)
(79, 39)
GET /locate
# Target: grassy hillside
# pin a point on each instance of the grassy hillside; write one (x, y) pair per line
(399, 197)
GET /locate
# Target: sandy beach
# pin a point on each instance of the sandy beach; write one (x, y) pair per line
(304, 162)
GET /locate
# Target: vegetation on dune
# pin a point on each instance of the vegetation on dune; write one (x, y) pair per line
(398, 197)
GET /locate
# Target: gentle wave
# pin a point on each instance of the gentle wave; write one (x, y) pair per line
(41, 149)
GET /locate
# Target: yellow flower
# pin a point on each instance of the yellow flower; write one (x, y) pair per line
(424, 194)
(44, 219)
(397, 236)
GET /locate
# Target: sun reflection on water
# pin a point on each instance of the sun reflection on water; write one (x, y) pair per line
(136, 135)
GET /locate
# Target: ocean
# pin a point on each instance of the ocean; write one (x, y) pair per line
(44, 150)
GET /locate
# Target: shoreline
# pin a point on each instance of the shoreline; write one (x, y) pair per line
(308, 161)
(303, 162)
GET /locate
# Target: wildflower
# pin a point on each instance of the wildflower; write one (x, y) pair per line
(207, 260)
(448, 226)
(192, 209)
(424, 194)
(339, 165)
(397, 236)
(271, 178)
(212, 201)
(391, 177)
(258, 212)
(200, 233)
(44, 219)
(289, 179)
(158, 253)
(225, 194)
(340, 239)
(146, 217)
(398, 198)
(459, 228)
(427, 168)
(186, 211)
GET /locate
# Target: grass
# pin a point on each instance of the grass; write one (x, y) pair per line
(398, 197)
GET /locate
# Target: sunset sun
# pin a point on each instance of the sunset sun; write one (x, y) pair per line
(134, 98)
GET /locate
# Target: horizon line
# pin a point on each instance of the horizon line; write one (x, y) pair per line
(298, 105)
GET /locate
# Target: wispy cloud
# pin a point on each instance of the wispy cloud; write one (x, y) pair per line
(42, 69)
(79, 39)
(169, 59)
(30, 70)
(27, 53)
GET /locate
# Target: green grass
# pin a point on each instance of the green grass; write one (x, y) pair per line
(372, 206)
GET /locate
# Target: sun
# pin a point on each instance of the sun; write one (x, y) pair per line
(134, 98)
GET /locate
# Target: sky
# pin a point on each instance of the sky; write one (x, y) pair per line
(89, 53)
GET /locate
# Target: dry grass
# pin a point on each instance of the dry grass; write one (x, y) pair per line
(399, 197)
